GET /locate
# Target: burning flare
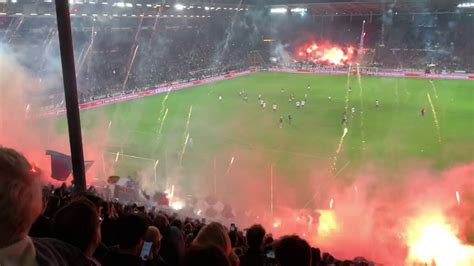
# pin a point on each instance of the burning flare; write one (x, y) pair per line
(432, 240)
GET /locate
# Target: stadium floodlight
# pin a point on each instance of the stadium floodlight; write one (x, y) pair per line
(298, 10)
(119, 4)
(466, 5)
(278, 10)
(179, 7)
(206, 8)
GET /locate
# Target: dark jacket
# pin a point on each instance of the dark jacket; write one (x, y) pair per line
(253, 257)
(53, 252)
(172, 246)
(115, 258)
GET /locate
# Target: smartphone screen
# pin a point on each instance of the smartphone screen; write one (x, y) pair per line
(145, 253)
(270, 254)
(232, 227)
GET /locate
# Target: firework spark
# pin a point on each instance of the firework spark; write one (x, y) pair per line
(435, 117)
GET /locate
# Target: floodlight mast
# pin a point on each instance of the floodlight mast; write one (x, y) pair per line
(70, 94)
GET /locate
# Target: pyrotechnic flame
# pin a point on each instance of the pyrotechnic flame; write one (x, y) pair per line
(117, 156)
(458, 198)
(330, 54)
(431, 240)
(331, 203)
(334, 55)
(276, 223)
(327, 223)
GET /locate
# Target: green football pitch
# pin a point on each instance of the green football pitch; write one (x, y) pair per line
(233, 137)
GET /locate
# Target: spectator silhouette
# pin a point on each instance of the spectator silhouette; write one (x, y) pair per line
(172, 243)
(153, 235)
(209, 255)
(131, 234)
(292, 251)
(254, 255)
(78, 224)
(215, 234)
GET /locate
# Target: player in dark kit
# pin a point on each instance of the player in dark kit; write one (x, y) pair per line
(281, 121)
(290, 118)
(422, 111)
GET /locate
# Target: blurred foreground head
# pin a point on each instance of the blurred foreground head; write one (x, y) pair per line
(20, 196)
(292, 251)
(214, 234)
(208, 255)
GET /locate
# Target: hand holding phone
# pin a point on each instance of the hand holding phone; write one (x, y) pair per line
(146, 249)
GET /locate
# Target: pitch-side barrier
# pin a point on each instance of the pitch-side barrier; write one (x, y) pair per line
(374, 72)
(153, 91)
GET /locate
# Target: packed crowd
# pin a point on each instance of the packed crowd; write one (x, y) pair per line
(57, 226)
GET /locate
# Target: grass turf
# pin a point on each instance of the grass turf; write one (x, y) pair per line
(389, 137)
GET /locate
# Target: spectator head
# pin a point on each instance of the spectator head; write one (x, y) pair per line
(153, 235)
(214, 234)
(20, 196)
(177, 223)
(161, 222)
(132, 230)
(292, 251)
(78, 224)
(208, 255)
(255, 235)
(315, 256)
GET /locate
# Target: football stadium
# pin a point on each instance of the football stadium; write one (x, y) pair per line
(250, 132)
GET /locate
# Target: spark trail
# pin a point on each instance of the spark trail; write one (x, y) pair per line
(160, 117)
(230, 165)
(185, 144)
(189, 119)
(339, 147)
(162, 122)
(435, 117)
(434, 88)
(186, 132)
(333, 167)
(362, 133)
